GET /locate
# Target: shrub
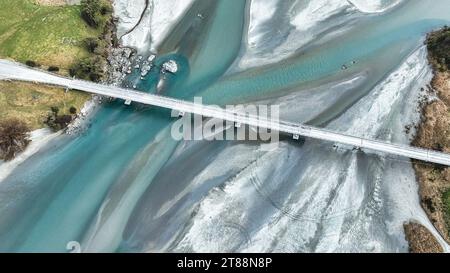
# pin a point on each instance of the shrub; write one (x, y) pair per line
(31, 63)
(90, 12)
(93, 12)
(56, 122)
(13, 138)
(96, 46)
(55, 110)
(446, 201)
(105, 9)
(438, 44)
(91, 44)
(63, 121)
(53, 69)
(73, 110)
(88, 69)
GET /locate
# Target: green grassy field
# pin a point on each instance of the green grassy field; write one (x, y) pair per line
(31, 103)
(49, 35)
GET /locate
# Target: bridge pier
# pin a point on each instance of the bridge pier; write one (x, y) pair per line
(128, 102)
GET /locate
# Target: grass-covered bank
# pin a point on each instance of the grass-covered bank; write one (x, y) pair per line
(438, 44)
(66, 39)
(57, 36)
(47, 35)
(32, 103)
(97, 14)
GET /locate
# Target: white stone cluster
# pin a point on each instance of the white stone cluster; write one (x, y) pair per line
(170, 66)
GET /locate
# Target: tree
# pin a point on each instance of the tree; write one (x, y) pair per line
(90, 12)
(438, 44)
(96, 46)
(91, 44)
(53, 69)
(13, 138)
(55, 110)
(31, 63)
(73, 110)
(88, 69)
(63, 121)
(57, 122)
(105, 9)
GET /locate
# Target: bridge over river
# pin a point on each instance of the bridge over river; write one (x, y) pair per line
(14, 71)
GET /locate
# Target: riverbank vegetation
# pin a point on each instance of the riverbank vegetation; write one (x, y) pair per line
(13, 138)
(32, 103)
(446, 201)
(57, 37)
(438, 44)
(421, 240)
(97, 14)
(57, 121)
(434, 133)
(46, 35)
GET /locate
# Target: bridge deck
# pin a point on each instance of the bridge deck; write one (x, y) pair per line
(14, 71)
